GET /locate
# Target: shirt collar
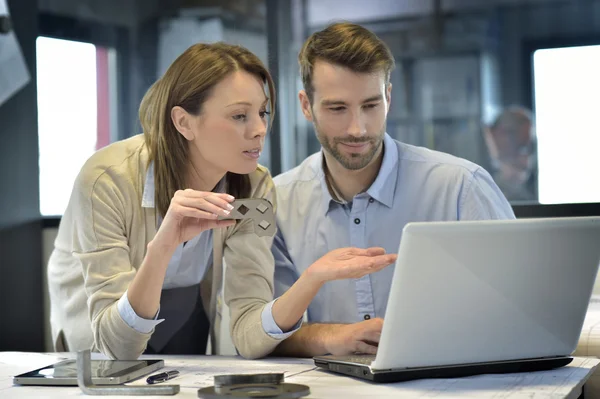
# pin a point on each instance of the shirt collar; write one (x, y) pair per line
(384, 186)
(149, 192)
(382, 189)
(317, 165)
(148, 195)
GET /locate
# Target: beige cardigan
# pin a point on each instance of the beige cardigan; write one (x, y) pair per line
(102, 240)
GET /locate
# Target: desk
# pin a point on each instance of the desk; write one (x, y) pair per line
(197, 371)
(589, 345)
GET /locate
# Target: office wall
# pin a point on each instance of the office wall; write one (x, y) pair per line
(177, 34)
(320, 12)
(125, 13)
(130, 27)
(575, 19)
(21, 327)
(499, 26)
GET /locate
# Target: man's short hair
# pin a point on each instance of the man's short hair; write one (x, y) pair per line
(512, 120)
(348, 45)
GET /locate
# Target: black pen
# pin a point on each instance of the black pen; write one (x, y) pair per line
(162, 377)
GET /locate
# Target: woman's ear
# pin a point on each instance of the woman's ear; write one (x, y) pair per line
(182, 121)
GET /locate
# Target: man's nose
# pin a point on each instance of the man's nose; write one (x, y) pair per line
(358, 127)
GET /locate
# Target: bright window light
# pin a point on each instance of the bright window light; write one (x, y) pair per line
(66, 86)
(567, 83)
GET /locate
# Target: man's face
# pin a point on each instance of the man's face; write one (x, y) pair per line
(349, 113)
(515, 145)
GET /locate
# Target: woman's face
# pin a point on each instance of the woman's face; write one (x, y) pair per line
(228, 135)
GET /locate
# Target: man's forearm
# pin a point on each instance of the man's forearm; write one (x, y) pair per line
(310, 340)
(290, 307)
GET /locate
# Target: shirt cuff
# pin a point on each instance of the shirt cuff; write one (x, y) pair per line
(271, 328)
(134, 321)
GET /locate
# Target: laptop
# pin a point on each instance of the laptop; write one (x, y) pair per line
(481, 297)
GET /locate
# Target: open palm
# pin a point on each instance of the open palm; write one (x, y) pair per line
(350, 262)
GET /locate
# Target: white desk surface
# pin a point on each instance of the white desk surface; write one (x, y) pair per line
(589, 341)
(197, 372)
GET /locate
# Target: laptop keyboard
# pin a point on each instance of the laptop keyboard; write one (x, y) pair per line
(360, 359)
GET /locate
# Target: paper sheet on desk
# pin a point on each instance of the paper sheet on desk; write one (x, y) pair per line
(13, 70)
(559, 383)
(199, 372)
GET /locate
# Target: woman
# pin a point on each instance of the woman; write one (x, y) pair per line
(137, 263)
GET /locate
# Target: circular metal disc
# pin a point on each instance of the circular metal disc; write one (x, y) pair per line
(267, 391)
(237, 379)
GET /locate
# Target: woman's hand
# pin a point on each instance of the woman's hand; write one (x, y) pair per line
(190, 213)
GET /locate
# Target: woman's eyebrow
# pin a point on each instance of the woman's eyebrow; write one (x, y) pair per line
(247, 102)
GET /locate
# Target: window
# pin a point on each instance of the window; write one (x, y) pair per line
(75, 85)
(566, 86)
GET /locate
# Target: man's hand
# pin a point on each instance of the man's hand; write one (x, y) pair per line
(350, 262)
(337, 339)
(338, 264)
(362, 337)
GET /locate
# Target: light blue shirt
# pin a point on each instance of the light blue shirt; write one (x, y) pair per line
(413, 184)
(186, 268)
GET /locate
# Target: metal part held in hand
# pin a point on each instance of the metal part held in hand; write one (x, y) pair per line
(84, 380)
(260, 210)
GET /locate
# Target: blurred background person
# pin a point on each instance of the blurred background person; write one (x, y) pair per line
(510, 141)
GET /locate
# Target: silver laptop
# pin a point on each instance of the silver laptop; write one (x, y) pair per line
(483, 297)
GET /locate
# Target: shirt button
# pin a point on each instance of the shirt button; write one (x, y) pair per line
(357, 221)
(371, 200)
(367, 317)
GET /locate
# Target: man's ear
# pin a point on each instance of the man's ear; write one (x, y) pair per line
(305, 105)
(183, 122)
(388, 95)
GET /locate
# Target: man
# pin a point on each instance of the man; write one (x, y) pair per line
(512, 160)
(360, 190)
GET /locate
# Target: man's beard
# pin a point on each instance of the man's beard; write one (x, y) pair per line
(355, 161)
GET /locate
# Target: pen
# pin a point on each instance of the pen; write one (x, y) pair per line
(162, 377)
